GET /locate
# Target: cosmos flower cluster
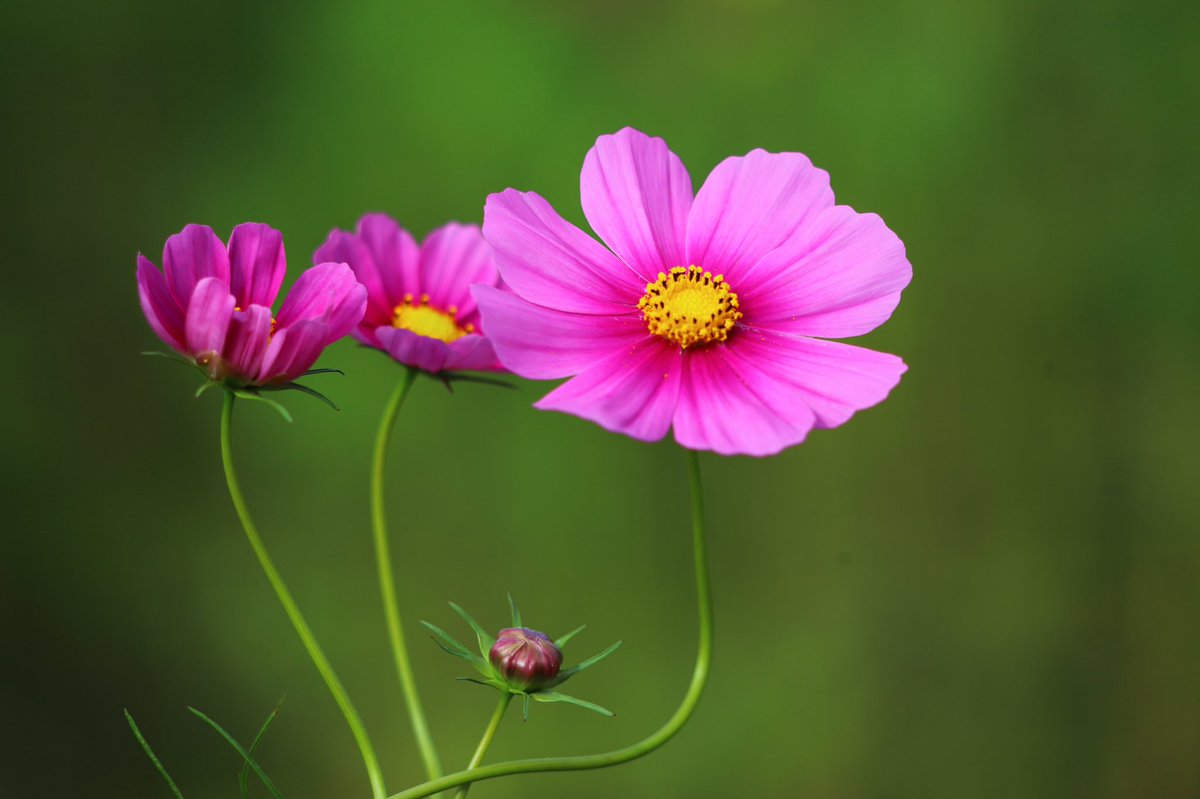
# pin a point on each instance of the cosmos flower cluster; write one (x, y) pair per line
(704, 313)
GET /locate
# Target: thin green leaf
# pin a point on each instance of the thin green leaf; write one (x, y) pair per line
(253, 395)
(561, 642)
(324, 372)
(244, 777)
(554, 696)
(485, 640)
(250, 761)
(526, 708)
(516, 612)
(146, 747)
(312, 392)
(567, 674)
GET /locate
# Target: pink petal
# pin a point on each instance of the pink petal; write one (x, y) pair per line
(831, 378)
(208, 316)
(395, 253)
(551, 262)
(191, 255)
(247, 341)
(349, 248)
(541, 343)
(327, 292)
(630, 392)
(840, 275)
(294, 350)
(452, 258)
(473, 353)
(410, 349)
(636, 195)
(748, 206)
(731, 407)
(159, 305)
(256, 264)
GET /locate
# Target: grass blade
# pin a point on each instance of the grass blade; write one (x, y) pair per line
(244, 777)
(153, 758)
(250, 761)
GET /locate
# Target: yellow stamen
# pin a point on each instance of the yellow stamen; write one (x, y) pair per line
(425, 320)
(690, 306)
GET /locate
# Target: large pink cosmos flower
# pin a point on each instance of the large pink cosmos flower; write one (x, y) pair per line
(213, 305)
(708, 313)
(420, 309)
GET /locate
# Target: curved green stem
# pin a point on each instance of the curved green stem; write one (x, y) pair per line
(654, 741)
(486, 740)
(289, 605)
(387, 587)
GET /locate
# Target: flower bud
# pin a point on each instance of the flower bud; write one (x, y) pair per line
(526, 659)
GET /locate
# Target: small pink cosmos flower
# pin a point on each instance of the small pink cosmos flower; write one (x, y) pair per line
(707, 313)
(419, 304)
(213, 305)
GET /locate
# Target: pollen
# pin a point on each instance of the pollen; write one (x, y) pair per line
(690, 306)
(418, 316)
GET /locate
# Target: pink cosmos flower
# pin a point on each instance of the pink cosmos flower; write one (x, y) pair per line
(707, 313)
(213, 305)
(419, 304)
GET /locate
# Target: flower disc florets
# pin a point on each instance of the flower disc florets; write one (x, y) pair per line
(690, 306)
(525, 658)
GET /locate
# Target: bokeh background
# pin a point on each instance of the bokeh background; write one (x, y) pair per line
(985, 587)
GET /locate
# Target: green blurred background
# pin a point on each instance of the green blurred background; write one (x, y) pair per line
(985, 587)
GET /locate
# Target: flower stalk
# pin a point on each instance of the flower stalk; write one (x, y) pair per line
(374, 773)
(648, 744)
(387, 587)
(485, 741)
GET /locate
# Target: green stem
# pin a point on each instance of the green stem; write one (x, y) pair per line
(289, 605)
(387, 587)
(654, 741)
(485, 741)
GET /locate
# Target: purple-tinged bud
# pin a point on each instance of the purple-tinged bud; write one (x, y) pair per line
(525, 658)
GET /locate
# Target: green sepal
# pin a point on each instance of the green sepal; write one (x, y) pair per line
(525, 709)
(141, 740)
(567, 674)
(294, 386)
(450, 645)
(493, 682)
(251, 394)
(324, 372)
(485, 640)
(561, 642)
(244, 776)
(250, 761)
(448, 379)
(205, 387)
(555, 696)
(516, 612)
(173, 356)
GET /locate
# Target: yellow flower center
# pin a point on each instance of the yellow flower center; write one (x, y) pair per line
(425, 320)
(690, 306)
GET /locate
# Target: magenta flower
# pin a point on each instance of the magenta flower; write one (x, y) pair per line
(213, 306)
(706, 314)
(419, 307)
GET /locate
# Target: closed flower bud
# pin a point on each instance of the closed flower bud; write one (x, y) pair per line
(526, 659)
